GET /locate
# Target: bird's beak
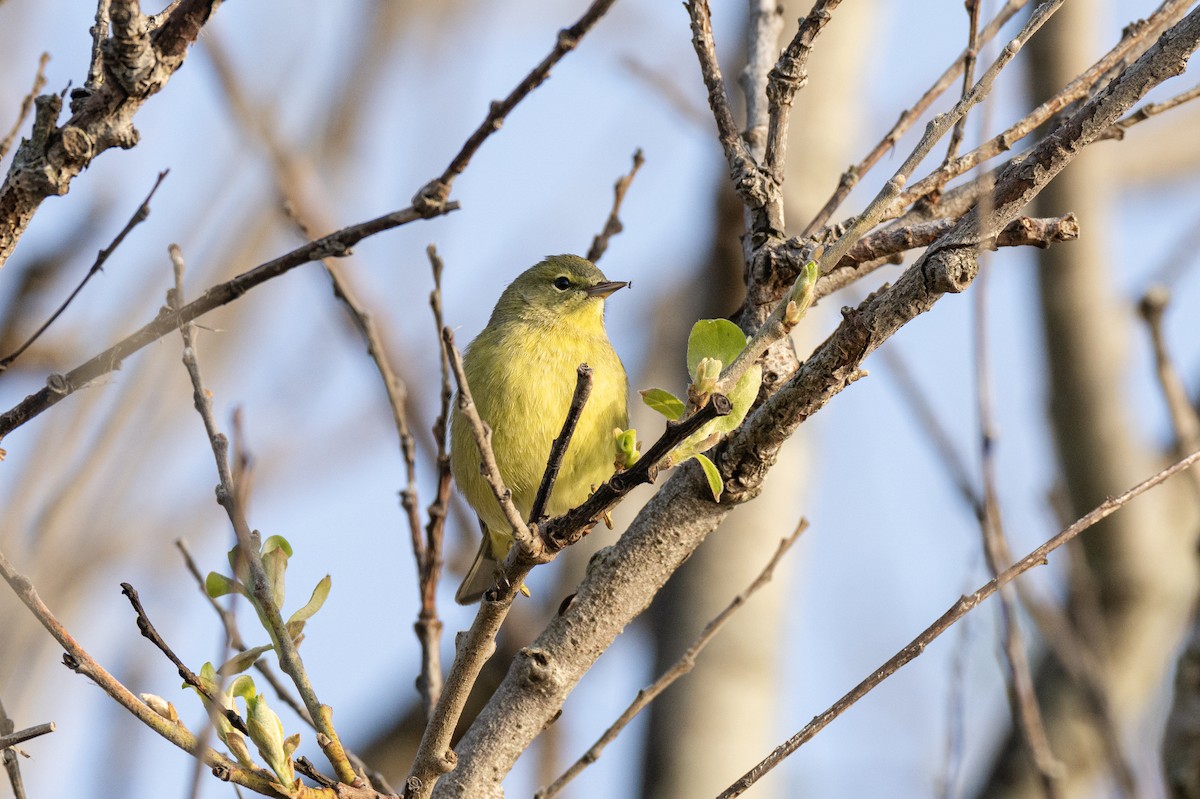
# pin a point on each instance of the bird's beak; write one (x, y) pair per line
(606, 288)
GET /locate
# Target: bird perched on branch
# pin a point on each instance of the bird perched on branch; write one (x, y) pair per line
(521, 370)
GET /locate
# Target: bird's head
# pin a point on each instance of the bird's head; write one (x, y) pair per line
(562, 288)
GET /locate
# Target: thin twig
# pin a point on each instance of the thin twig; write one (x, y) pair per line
(996, 551)
(190, 677)
(259, 584)
(558, 449)
(39, 80)
(1183, 416)
(20, 736)
(1117, 130)
(336, 244)
(682, 666)
(972, 54)
(139, 216)
(612, 226)
(748, 182)
(11, 763)
(483, 439)
(434, 194)
(788, 75)
(429, 554)
(907, 119)
(887, 245)
(1081, 87)
(956, 611)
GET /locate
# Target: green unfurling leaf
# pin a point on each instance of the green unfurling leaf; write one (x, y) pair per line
(718, 339)
(715, 483)
(663, 401)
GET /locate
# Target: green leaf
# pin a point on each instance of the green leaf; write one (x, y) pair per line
(242, 686)
(216, 585)
(319, 595)
(718, 339)
(243, 660)
(664, 402)
(275, 553)
(715, 483)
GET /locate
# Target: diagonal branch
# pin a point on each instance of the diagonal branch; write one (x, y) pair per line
(956, 611)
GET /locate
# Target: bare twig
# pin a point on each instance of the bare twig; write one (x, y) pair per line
(907, 119)
(434, 194)
(748, 182)
(102, 111)
(1183, 416)
(956, 611)
(11, 739)
(39, 80)
(1117, 130)
(558, 449)
(1023, 697)
(887, 245)
(483, 438)
(336, 244)
(139, 216)
(190, 677)
(685, 663)
(1135, 37)
(428, 554)
(785, 79)
(12, 765)
(612, 226)
(762, 49)
(972, 53)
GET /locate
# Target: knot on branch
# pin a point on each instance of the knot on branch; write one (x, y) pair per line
(430, 200)
(129, 55)
(77, 146)
(785, 79)
(951, 270)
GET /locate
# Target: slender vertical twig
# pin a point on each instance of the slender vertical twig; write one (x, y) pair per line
(612, 226)
(39, 80)
(1026, 710)
(972, 53)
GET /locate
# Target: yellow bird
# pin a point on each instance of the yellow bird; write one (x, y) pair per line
(522, 371)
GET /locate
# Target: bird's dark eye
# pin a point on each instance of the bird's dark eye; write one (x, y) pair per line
(562, 283)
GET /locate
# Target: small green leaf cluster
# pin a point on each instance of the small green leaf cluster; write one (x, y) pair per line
(275, 554)
(265, 726)
(712, 345)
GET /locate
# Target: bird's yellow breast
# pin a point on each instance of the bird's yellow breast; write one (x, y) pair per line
(522, 376)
